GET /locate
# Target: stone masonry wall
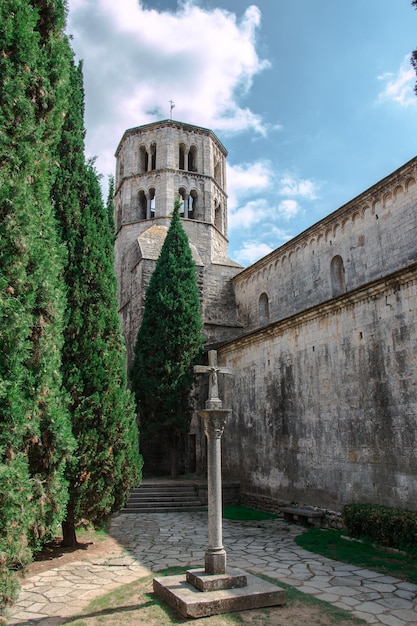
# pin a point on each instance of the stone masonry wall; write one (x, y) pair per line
(324, 404)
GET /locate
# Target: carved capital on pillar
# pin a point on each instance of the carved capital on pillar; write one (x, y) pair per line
(214, 421)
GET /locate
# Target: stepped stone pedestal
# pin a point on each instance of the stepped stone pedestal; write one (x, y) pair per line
(190, 601)
(217, 588)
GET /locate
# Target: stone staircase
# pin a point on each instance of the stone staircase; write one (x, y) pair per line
(164, 497)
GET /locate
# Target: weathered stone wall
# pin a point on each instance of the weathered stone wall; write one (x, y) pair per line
(324, 404)
(370, 237)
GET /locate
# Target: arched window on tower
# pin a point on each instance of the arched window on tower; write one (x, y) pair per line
(337, 274)
(192, 159)
(218, 172)
(152, 202)
(181, 157)
(143, 160)
(153, 156)
(142, 202)
(218, 216)
(183, 197)
(192, 205)
(263, 309)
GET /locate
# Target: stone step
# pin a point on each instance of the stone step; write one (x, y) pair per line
(160, 497)
(163, 501)
(156, 509)
(141, 497)
(164, 487)
(162, 492)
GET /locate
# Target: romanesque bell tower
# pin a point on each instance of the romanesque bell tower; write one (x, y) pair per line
(156, 164)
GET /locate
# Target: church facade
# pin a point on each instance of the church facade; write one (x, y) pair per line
(321, 334)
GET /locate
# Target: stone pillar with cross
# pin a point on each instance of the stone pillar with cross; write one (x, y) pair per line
(214, 420)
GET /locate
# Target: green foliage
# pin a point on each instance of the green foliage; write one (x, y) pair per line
(107, 463)
(394, 528)
(169, 340)
(35, 435)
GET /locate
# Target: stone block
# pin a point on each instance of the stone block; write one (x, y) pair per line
(191, 602)
(202, 580)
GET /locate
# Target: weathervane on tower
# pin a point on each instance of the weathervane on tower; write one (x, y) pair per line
(172, 107)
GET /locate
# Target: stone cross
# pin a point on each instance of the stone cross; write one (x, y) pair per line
(214, 419)
(213, 370)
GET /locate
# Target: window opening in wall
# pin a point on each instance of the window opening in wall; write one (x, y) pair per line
(153, 156)
(143, 160)
(263, 309)
(217, 172)
(183, 206)
(218, 215)
(192, 159)
(143, 203)
(152, 202)
(192, 205)
(181, 157)
(337, 274)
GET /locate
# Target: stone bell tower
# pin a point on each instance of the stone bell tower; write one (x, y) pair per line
(156, 164)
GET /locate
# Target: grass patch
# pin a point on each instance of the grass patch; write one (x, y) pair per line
(330, 543)
(101, 532)
(135, 604)
(245, 513)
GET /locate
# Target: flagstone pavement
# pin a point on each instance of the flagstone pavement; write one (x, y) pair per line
(152, 541)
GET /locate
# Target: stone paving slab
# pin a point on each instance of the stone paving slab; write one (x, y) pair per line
(150, 542)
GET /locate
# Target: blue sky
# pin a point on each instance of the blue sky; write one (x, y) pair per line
(312, 98)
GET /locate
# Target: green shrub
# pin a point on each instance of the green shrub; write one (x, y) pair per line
(394, 528)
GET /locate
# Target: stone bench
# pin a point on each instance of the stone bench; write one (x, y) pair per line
(295, 514)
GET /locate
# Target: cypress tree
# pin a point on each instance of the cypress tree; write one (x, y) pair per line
(35, 434)
(168, 343)
(107, 463)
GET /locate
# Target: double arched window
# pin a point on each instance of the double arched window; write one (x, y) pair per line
(147, 158)
(146, 204)
(188, 201)
(187, 158)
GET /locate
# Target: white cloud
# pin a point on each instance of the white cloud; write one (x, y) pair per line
(252, 251)
(251, 213)
(137, 59)
(303, 188)
(399, 87)
(246, 180)
(259, 179)
(289, 209)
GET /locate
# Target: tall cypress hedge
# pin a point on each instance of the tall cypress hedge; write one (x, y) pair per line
(35, 433)
(107, 463)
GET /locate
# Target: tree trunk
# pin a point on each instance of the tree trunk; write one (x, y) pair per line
(69, 538)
